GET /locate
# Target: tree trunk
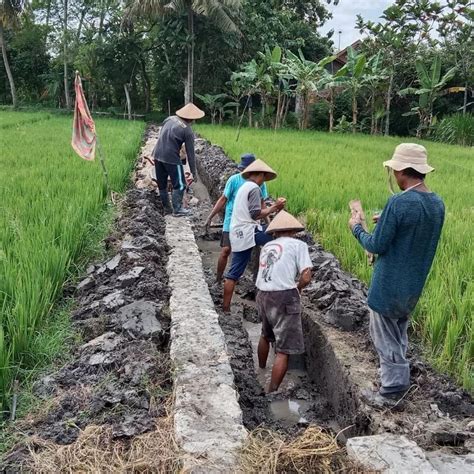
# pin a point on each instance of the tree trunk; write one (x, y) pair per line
(331, 110)
(464, 104)
(387, 106)
(129, 103)
(189, 89)
(354, 111)
(146, 86)
(7, 67)
(48, 13)
(66, 78)
(277, 116)
(81, 24)
(250, 117)
(372, 114)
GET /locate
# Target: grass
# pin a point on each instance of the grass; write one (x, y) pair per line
(319, 173)
(52, 207)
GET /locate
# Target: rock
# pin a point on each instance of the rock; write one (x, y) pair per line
(389, 454)
(86, 284)
(113, 263)
(470, 426)
(445, 463)
(130, 277)
(194, 201)
(106, 342)
(90, 269)
(139, 319)
(114, 300)
(133, 256)
(45, 387)
(101, 269)
(144, 242)
(92, 327)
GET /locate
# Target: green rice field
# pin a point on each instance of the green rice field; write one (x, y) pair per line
(51, 202)
(319, 173)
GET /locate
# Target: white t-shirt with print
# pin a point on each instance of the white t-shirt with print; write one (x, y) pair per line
(281, 261)
(242, 225)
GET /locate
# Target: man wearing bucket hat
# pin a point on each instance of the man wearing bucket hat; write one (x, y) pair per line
(245, 229)
(175, 131)
(405, 242)
(227, 199)
(284, 270)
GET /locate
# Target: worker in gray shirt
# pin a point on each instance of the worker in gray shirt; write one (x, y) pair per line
(405, 242)
(175, 131)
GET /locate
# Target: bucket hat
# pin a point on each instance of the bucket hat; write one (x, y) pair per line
(246, 160)
(190, 112)
(284, 221)
(410, 155)
(258, 166)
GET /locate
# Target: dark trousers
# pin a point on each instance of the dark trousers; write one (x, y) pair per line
(175, 173)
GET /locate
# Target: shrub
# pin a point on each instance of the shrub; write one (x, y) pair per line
(456, 129)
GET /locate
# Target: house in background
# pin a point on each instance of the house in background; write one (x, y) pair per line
(341, 57)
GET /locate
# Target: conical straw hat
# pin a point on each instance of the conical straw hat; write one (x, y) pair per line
(284, 221)
(190, 112)
(258, 166)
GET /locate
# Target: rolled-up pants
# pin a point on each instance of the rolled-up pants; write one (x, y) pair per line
(390, 339)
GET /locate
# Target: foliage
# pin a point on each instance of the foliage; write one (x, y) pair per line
(431, 86)
(327, 170)
(52, 201)
(457, 129)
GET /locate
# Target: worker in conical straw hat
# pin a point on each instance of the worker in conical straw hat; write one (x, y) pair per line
(246, 231)
(226, 201)
(405, 241)
(175, 131)
(284, 270)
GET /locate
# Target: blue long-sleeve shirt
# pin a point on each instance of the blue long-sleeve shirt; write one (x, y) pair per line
(405, 240)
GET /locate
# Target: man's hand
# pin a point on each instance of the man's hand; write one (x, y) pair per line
(375, 218)
(355, 219)
(280, 203)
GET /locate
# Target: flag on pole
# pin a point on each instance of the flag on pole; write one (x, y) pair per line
(84, 138)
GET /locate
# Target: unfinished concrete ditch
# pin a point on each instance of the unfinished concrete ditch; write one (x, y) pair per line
(164, 380)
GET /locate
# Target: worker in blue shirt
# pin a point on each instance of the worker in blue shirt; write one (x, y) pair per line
(405, 241)
(233, 184)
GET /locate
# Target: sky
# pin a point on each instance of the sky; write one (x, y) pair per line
(344, 18)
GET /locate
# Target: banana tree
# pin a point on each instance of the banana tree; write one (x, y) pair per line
(307, 75)
(354, 71)
(330, 85)
(375, 80)
(213, 103)
(431, 87)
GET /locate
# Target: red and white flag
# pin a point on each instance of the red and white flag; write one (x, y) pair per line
(84, 138)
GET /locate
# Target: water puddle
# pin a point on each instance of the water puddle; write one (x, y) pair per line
(290, 412)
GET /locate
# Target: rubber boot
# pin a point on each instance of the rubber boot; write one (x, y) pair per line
(165, 201)
(177, 199)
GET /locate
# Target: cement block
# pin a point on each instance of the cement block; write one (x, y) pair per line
(207, 416)
(445, 463)
(391, 454)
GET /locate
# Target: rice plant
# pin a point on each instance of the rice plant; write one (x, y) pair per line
(319, 173)
(50, 202)
(455, 129)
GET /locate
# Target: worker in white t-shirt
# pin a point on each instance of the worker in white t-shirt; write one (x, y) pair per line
(245, 229)
(285, 269)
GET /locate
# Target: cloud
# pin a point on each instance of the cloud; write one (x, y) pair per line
(344, 18)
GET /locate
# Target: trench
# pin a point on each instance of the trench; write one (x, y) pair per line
(299, 400)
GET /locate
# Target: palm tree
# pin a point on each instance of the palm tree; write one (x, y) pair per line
(216, 10)
(10, 11)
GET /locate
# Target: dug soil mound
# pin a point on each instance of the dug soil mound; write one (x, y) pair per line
(118, 383)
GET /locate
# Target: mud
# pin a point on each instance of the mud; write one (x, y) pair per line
(120, 375)
(340, 359)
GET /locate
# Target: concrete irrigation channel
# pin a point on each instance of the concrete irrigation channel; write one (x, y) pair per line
(164, 381)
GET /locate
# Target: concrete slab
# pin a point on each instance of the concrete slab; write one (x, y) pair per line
(445, 463)
(208, 418)
(391, 454)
